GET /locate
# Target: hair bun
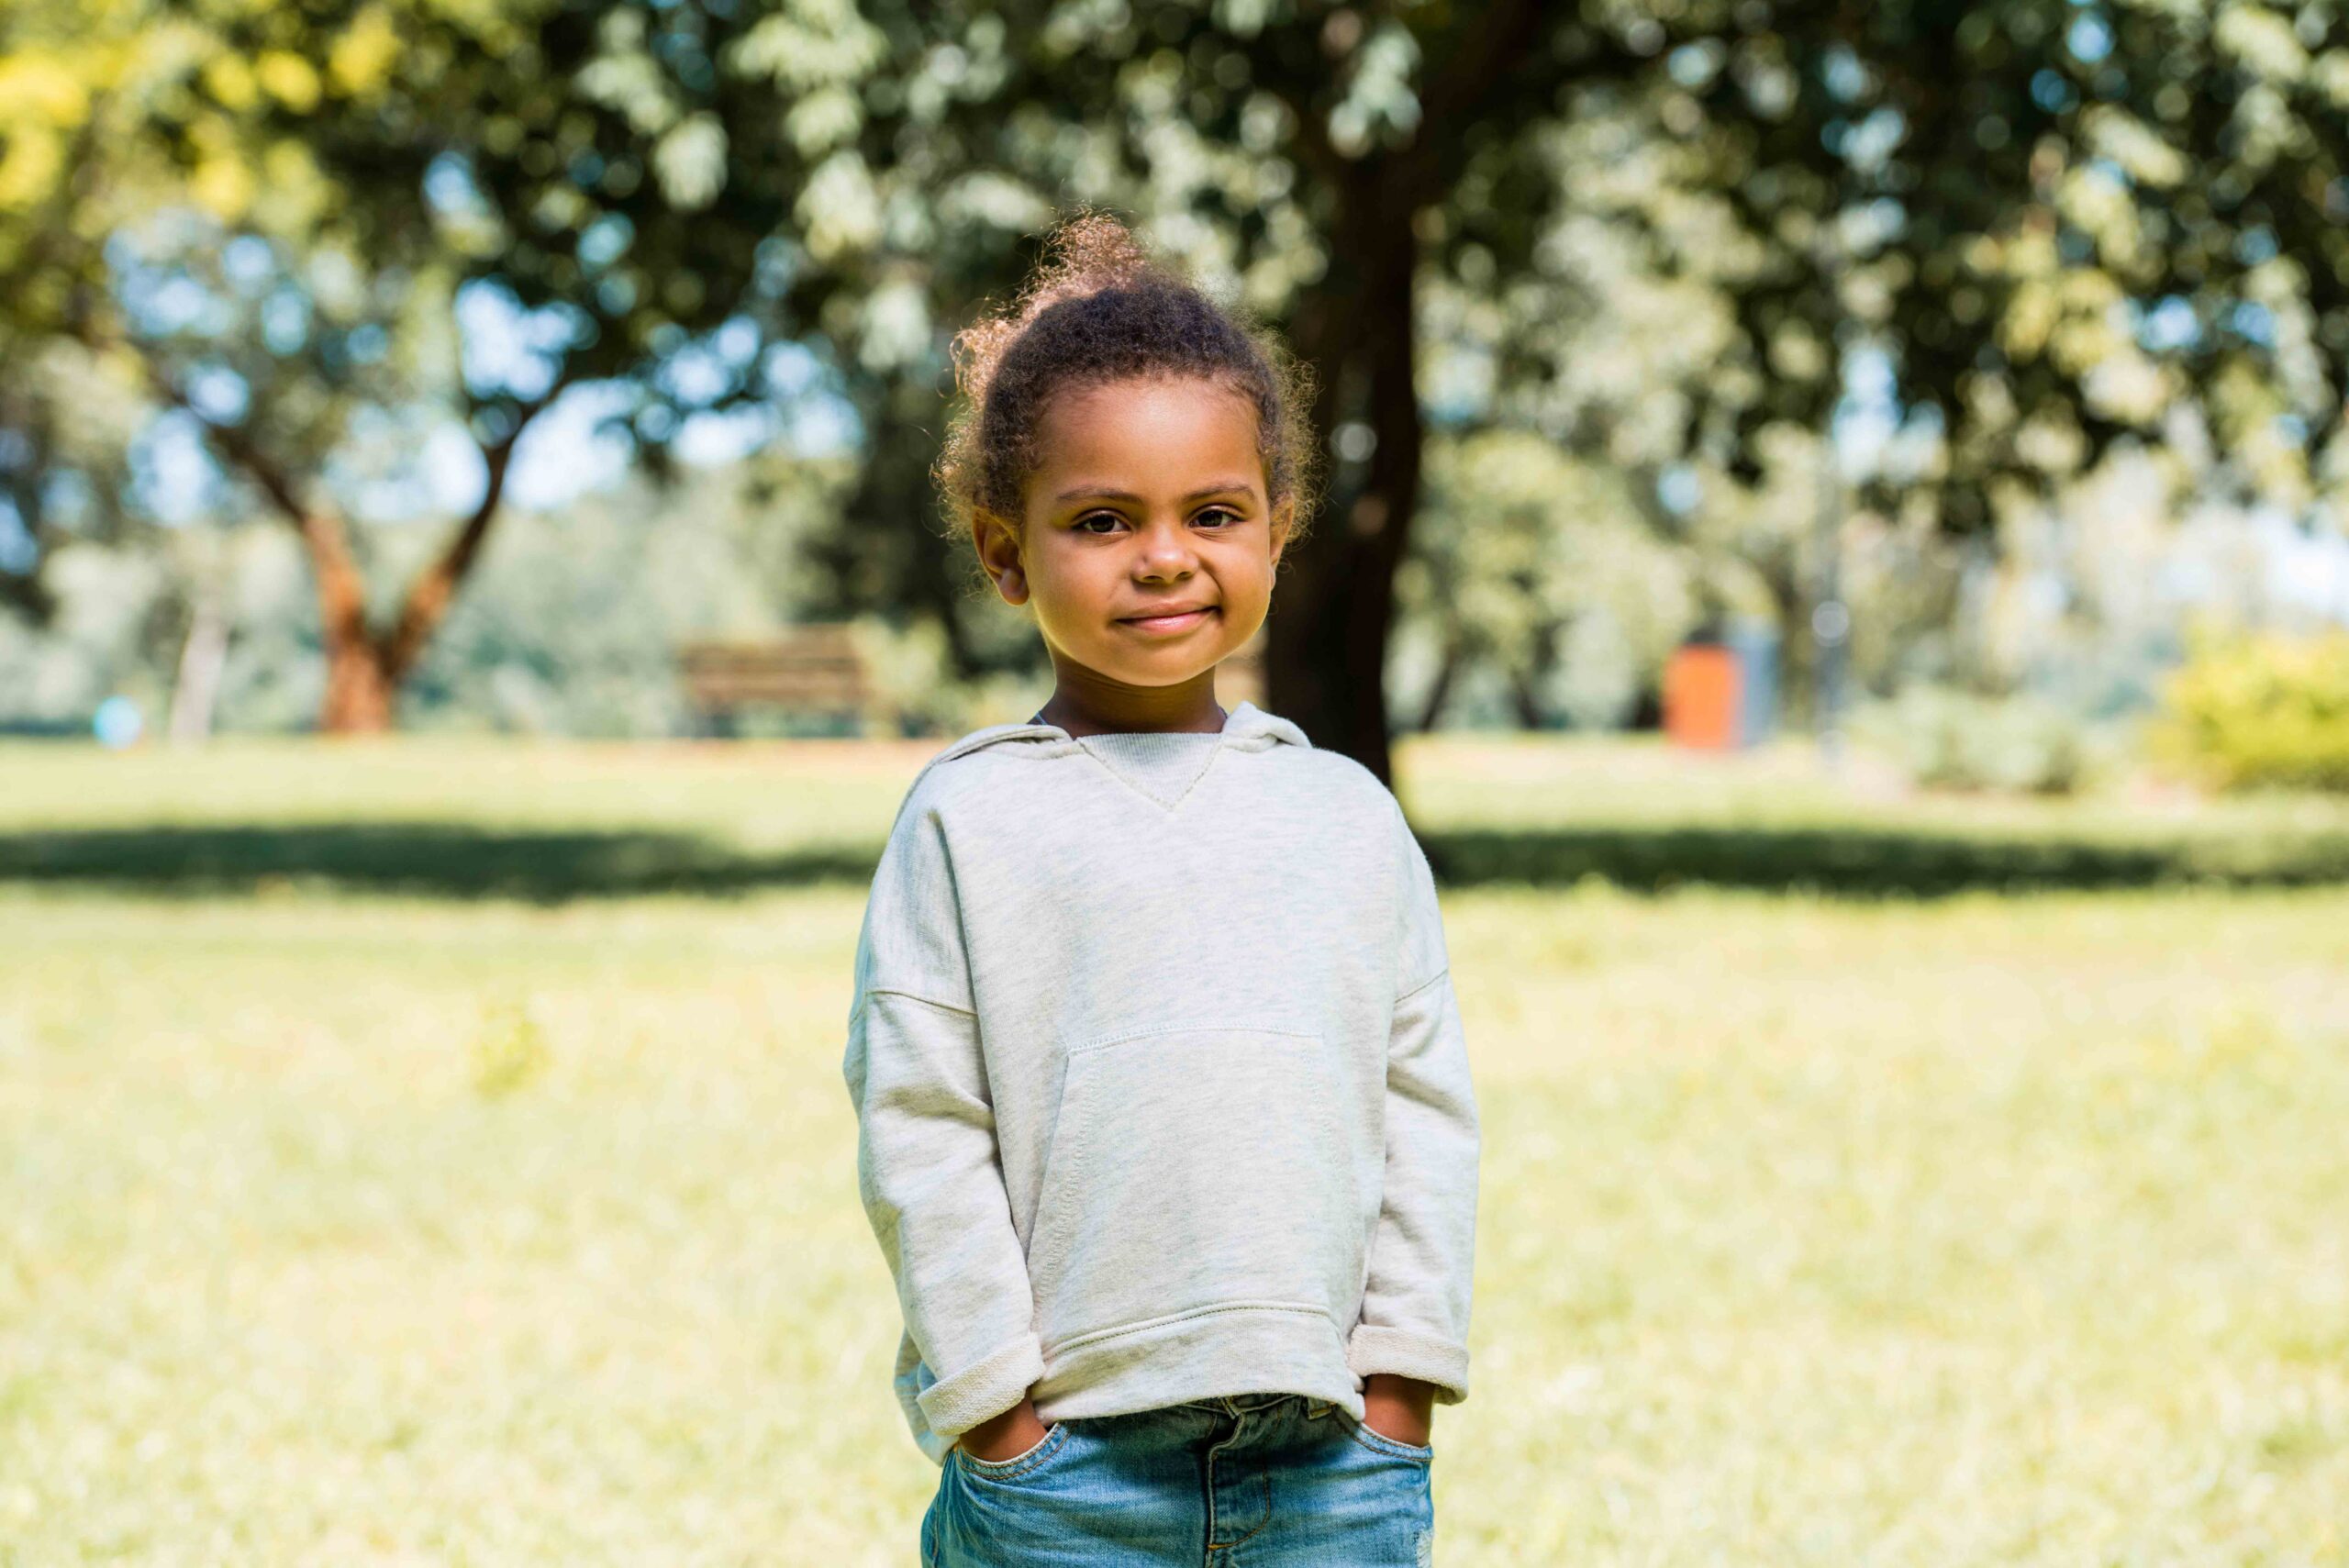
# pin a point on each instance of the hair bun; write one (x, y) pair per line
(1082, 255)
(1089, 252)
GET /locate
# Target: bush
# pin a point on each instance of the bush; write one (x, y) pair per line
(1946, 738)
(2267, 711)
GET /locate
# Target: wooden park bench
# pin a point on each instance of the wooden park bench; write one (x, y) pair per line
(804, 669)
(819, 670)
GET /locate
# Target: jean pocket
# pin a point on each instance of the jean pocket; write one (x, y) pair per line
(1054, 1442)
(1379, 1442)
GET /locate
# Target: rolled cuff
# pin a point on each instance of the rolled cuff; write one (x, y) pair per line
(1405, 1355)
(988, 1387)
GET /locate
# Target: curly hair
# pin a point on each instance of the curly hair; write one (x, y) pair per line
(1098, 309)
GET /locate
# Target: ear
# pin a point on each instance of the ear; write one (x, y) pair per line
(1283, 516)
(996, 540)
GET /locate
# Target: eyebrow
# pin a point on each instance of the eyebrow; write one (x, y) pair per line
(1222, 488)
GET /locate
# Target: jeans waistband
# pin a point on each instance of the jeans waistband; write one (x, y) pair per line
(1244, 1404)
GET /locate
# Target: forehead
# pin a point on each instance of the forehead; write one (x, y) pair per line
(1138, 434)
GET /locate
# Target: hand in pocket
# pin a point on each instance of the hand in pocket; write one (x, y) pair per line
(1007, 1436)
(1400, 1409)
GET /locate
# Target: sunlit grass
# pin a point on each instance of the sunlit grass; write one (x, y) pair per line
(345, 1230)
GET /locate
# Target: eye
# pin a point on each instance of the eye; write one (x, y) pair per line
(1230, 519)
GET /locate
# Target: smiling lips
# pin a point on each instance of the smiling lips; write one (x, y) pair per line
(1171, 621)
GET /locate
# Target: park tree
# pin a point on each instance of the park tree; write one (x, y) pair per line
(2059, 226)
(292, 229)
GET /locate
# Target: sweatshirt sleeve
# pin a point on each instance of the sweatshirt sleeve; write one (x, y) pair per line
(1415, 1304)
(927, 1166)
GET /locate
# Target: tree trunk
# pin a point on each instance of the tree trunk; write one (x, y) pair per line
(360, 694)
(1797, 651)
(196, 690)
(1439, 691)
(1526, 699)
(1325, 652)
(360, 687)
(1526, 680)
(363, 672)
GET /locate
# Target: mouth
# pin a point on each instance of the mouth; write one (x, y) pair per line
(1171, 621)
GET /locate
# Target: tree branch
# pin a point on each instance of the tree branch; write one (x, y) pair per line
(341, 584)
(435, 589)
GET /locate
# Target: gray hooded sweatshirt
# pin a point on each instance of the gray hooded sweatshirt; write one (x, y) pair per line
(1159, 1078)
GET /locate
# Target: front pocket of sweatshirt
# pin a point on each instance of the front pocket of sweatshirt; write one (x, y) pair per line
(1193, 1167)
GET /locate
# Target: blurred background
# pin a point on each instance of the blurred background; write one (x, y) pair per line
(1837, 529)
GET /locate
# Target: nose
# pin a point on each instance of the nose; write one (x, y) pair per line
(1164, 550)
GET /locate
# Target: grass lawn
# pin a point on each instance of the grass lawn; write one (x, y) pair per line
(438, 1154)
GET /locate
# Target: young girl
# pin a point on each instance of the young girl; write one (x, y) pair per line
(1166, 1122)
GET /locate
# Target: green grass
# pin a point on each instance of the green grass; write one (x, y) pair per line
(548, 823)
(511, 1220)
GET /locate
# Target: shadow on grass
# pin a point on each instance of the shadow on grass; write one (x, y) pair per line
(453, 861)
(1860, 861)
(424, 859)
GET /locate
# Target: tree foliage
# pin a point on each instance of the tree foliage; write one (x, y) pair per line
(292, 226)
(1669, 237)
(2058, 225)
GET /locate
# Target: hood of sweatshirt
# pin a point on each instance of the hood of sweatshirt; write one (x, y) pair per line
(1162, 764)
(1245, 726)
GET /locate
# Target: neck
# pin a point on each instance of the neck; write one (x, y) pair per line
(1084, 707)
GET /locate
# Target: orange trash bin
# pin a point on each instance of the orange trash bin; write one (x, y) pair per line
(1701, 697)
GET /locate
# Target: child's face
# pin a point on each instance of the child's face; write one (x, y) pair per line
(1149, 497)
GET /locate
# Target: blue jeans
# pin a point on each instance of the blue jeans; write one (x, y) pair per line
(1250, 1481)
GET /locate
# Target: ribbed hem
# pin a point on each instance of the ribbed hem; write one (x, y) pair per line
(1236, 1348)
(1405, 1355)
(995, 1384)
